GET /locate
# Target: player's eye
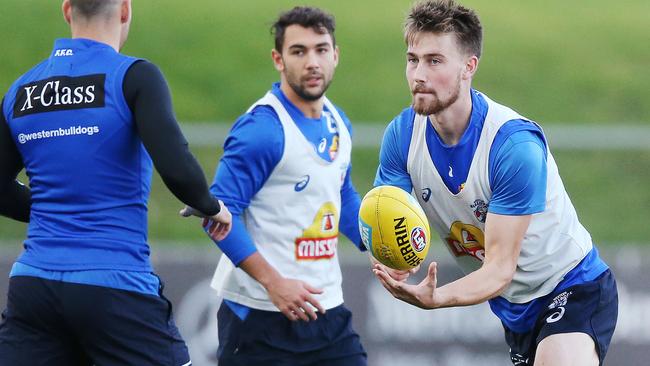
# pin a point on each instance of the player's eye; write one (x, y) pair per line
(412, 60)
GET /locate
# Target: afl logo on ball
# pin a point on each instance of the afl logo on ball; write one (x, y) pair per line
(418, 239)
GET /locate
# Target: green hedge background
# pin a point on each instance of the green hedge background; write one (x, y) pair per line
(558, 62)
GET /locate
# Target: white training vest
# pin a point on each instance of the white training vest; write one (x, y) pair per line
(554, 243)
(294, 219)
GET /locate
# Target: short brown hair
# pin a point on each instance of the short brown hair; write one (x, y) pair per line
(92, 8)
(446, 16)
(305, 16)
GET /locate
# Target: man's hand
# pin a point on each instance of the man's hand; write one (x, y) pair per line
(422, 295)
(295, 299)
(217, 226)
(396, 274)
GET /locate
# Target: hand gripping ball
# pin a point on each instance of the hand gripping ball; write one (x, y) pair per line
(394, 227)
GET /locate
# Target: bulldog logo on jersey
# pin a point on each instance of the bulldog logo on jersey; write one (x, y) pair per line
(320, 239)
(480, 210)
(465, 239)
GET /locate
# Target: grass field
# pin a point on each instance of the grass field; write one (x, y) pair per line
(556, 61)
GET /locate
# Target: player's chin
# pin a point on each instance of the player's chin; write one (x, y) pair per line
(423, 107)
(313, 93)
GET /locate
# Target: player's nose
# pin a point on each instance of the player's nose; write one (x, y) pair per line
(312, 61)
(419, 74)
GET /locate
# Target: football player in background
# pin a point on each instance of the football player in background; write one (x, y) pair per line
(285, 175)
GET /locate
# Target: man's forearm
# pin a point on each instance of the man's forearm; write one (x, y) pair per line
(258, 268)
(479, 286)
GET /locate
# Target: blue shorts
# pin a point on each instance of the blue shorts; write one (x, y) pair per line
(590, 308)
(268, 338)
(58, 323)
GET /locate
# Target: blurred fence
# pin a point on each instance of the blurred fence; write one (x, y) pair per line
(393, 332)
(561, 136)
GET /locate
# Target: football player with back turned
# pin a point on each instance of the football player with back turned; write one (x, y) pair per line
(86, 124)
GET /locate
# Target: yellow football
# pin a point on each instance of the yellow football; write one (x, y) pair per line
(394, 227)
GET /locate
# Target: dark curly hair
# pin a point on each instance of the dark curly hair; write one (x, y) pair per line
(305, 16)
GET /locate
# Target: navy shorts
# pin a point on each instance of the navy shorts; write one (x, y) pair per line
(57, 323)
(268, 338)
(590, 308)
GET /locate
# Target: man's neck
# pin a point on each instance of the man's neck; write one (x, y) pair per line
(310, 108)
(98, 31)
(451, 123)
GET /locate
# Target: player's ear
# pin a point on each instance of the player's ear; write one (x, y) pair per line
(337, 53)
(278, 63)
(471, 65)
(125, 11)
(66, 8)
